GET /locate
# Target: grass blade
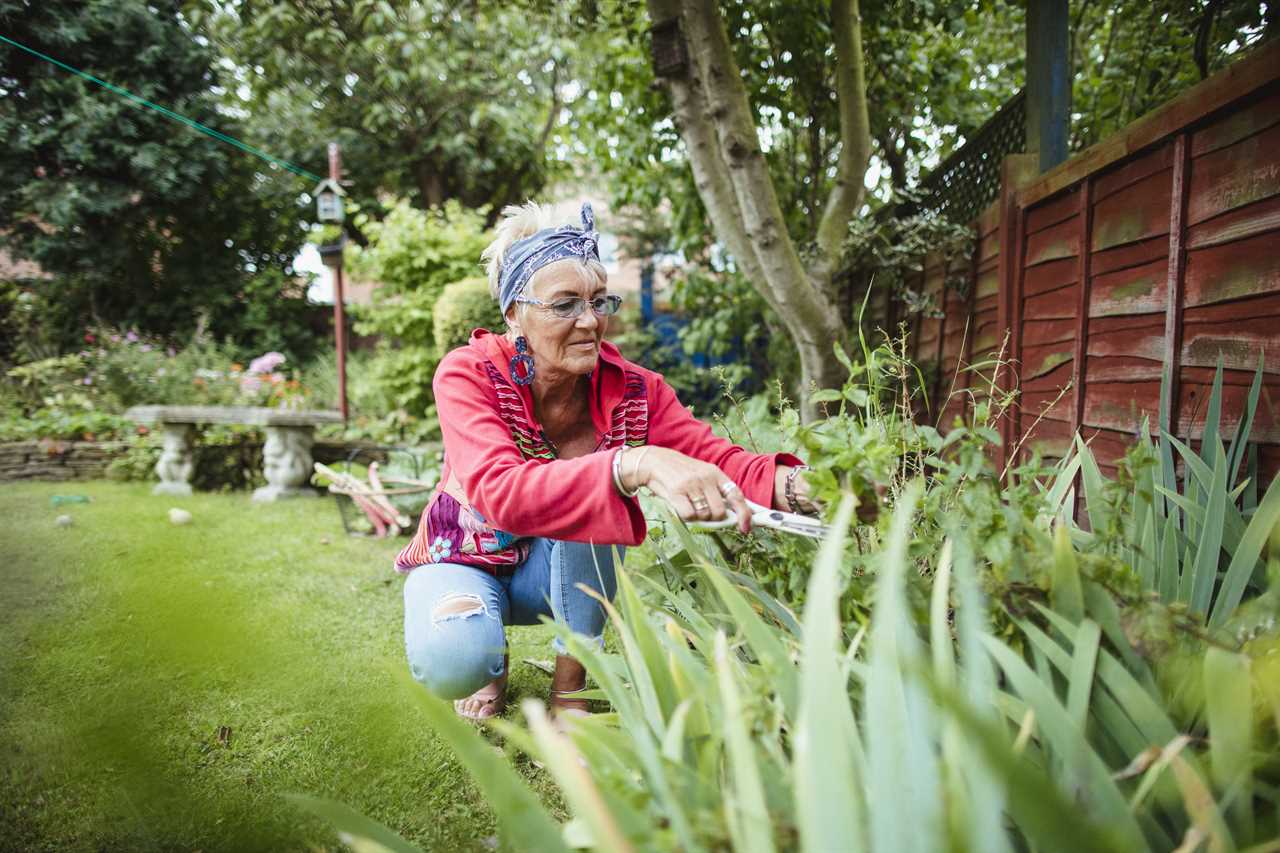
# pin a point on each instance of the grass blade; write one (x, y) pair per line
(522, 815)
(1229, 713)
(1247, 555)
(1066, 593)
(1208, 555)
(561, 758)
(748, 816)
(828, 754)
(899, 733)
(362, 834)
(1235, 454)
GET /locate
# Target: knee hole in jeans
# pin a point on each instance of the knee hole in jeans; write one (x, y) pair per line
(457, 606)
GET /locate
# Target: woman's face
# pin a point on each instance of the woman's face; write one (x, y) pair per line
(558, 345)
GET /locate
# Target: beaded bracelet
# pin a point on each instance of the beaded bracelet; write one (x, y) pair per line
(789, 489)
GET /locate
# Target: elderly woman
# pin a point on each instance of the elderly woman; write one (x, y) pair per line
(549, 433)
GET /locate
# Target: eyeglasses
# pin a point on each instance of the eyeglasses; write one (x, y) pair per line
(571, 307)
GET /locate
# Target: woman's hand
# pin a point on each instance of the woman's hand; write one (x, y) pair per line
(698, 490)
(806, 503)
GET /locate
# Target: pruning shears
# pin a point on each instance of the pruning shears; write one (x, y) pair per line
(763, 516)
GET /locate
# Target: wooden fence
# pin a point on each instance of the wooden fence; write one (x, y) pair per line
(1156, 250)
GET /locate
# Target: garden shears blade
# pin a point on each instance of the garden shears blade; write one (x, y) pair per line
(776, 519)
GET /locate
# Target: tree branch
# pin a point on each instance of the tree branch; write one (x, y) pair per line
(710, 172)
(855, 135)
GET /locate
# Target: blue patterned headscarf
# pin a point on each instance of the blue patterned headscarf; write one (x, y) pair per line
(525, 257)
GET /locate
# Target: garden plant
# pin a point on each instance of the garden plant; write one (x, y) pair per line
(979, 670)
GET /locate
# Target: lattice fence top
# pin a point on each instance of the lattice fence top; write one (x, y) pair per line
(969, 180)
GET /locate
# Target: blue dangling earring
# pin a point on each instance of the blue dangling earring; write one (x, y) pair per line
(522, 362)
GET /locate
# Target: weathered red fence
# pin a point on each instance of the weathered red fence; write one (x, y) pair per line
(1158, 249)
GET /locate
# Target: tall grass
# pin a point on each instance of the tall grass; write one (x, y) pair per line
(1118, 694)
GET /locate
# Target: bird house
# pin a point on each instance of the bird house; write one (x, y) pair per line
(328, 201)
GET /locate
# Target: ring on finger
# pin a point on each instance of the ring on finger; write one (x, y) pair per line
(700, 504)
(728, 488)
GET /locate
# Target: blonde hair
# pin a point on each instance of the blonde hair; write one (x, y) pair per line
(518, 222)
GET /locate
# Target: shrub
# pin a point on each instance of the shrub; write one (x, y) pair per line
(414, 255)
(463, 307)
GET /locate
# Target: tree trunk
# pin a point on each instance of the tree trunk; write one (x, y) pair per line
(735, 185)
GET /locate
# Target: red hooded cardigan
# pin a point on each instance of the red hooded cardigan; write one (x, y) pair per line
(502, 483)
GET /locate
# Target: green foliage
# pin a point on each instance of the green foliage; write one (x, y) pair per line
(85, 394)
(1130, 57)
(414, 255)
(421, 99)
(887, 254)
(975, 671)
(462, 307)
(140, 222)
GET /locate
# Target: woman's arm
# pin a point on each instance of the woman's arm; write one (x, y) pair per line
(760, 476)
(571, 499)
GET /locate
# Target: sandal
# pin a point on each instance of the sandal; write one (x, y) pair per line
(570, 678)
(492, 697)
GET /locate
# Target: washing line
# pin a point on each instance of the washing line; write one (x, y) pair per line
(168, 113)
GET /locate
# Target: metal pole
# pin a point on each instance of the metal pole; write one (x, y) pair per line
(339, 317)
(1048, 81)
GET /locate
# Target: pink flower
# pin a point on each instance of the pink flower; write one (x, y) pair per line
(88, 380)
(132, 337)
(115, 339)
(266, 363)
(89, 338)
(145, 348)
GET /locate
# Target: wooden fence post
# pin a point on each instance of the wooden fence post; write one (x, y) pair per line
(1015, 171)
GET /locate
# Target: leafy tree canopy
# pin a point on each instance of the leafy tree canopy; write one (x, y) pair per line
(430, 100)
(140, 222)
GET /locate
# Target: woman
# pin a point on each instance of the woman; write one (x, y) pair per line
(549, 433)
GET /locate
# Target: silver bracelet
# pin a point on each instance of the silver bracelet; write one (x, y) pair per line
(617, 474)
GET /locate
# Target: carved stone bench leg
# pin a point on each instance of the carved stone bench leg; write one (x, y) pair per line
(174, 466)
(286, 463)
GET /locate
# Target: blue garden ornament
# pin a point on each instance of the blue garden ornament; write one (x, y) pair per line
(522, 363)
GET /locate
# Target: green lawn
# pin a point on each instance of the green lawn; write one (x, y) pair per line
(130, 644)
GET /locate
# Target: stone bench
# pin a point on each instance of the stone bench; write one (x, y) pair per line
(286, 455)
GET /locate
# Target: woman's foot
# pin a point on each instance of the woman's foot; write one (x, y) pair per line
(569, 678)
(488, 701)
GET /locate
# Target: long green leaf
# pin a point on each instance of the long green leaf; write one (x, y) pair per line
(362, 834)
(579, 789)
(523, 818)
(985, 796)
(1169, 569)
(764, 639)
(1235, 454)
(1048, 819)
(1066, 592)
(748, 816)
(899, 731)
(1104, 800)
(1229, 711)
(1095, 503)
(1247, 555)
(828, 755)
(1080, 682)
(1208, 555)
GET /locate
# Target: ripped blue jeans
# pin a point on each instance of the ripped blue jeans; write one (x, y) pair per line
(455, 653)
